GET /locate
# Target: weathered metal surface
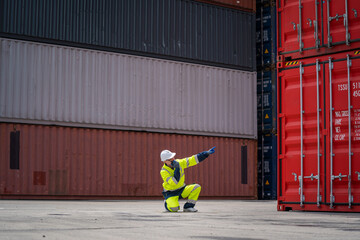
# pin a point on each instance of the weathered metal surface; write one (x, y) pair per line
(174, 29)
(49, 84)
(65, 162)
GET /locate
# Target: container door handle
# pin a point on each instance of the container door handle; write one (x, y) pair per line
(358, 173)
(355, 12)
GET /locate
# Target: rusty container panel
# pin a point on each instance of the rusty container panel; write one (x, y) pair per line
(319, 134)
(38, 161)
(49, 84)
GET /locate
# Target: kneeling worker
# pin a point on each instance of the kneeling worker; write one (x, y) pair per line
(174, 180)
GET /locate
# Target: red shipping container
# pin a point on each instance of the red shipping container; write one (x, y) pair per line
(311, 27)
(319, 141)
(49, 162)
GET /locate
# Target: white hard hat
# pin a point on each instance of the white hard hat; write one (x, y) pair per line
(166, 154)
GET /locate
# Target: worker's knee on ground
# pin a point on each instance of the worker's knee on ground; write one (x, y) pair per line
(172, 208)
(172, 204)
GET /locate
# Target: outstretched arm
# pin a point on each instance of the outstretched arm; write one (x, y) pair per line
(195, 159)
(203, 155)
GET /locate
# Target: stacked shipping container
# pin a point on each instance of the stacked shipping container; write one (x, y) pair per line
(266, 92)
(82, 118)
(318, 91)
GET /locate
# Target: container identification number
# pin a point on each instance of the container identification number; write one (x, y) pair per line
(344, 87)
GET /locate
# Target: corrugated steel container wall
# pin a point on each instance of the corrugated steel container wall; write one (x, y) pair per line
(176, 29)
(65, 162)
(266, 90)
(267, 166)
(266, 35)
(245, 5)
(78, 87)
(309, 28)
(319, 134)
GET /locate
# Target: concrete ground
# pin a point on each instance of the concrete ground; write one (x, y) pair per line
(216, 220)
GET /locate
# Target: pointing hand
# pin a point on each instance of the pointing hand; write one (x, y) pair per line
(211, 151)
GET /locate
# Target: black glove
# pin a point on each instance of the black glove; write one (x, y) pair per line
(175, 164)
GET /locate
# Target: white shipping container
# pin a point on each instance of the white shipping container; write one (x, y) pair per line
(50, 84)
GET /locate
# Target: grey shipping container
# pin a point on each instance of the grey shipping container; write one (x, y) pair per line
(66, 86)
(180, 30)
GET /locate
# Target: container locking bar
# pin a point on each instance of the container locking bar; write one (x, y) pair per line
(299, 27)
(316, 30)
(332, 198)
(336, 17)
(302, 135)
(318, 132)
(349, 118)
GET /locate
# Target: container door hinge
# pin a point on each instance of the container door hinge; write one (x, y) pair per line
(318, 199)
(332, 200)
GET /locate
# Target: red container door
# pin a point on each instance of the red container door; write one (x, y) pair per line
(344, 152)
(309, 28)
(319, 167)
(302, 142)
(299, 23)
(342, 22)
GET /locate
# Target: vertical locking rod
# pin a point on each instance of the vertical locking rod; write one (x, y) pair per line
(328, 23)
(300, 29)
(316, 31)
(349, 112)
(346, 23)
(301, 137)
(318, 131)
(331, 134)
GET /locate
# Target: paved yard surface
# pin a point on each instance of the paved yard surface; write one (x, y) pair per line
(215, 220)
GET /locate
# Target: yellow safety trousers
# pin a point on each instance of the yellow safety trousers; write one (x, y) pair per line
(191, 192)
